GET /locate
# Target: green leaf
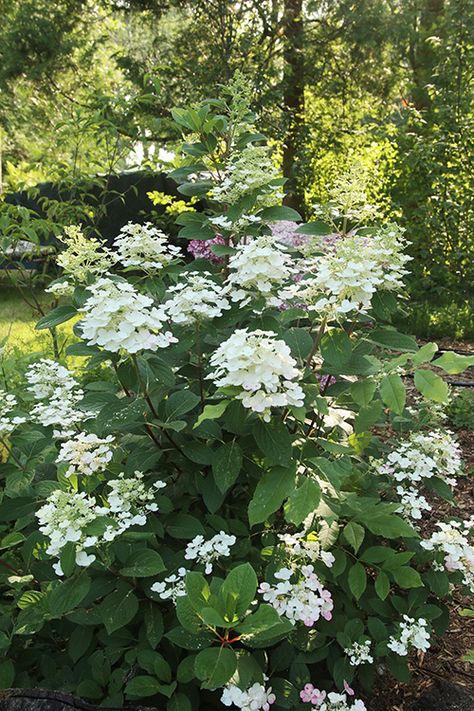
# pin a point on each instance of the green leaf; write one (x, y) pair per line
(407, 577)
(179, 403)
(454, 363)
(141, 686)
(279, 212)
(143, 564)
(7, 674)
(357, 580)
(184, 526)
(118, 609)
(354, 534)
(79, 642)
(274, 441)
(302, 501)
(240, 585)
(425, 354)
(393, 339)
(179, 702)
(388, 525)
(299, 341)
(272, 489)
(154, 626)
(336, 347)
(226, 465)
(262, 620)
(215, 666)
(362, 392)
(55, 317)
(68, 595)
(197, 590)
(393, 393)
(316, 229)
(431, 386)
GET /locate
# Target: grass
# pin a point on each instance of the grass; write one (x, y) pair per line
(18, 318)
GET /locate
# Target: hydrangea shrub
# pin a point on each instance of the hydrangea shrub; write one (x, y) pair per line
(229, 514)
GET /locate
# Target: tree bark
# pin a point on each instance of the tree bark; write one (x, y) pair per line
(293, 102)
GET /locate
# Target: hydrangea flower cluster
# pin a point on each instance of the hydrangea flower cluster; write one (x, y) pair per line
(411, 633)
(130, 501)
(83, 256)
(330, 702)
(418, 457)
(305, 600)
(172, 587)
(8, 403)
(86, 454)
(196, 299)
(207, 552)
(359, 653)
(66, 517)
(284, 231)
(422, 456)
(252, 699)
(58, 395)
(256, 269)
(346, 279)
(249, 172)
(412, 503)
(144, 247)
(201, 249)
(452, 540)
(306, 546)
(119, 318)
(60, 288)
(261, 367)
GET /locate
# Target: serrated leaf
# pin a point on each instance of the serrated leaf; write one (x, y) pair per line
(272, 489)
(357, 580)
(226, 465)
(215, 666)
(302, 501)
(143, 564)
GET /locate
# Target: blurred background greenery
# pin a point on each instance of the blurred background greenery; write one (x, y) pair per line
(384, 87)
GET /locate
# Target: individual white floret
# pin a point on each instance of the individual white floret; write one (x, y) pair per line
(300, 596)
(254, 698)
(411, 634)
(359, 653)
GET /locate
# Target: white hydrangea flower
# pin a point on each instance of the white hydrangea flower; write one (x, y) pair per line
(359, 653)
(83, 256)
(257, 269)
(129, 503)
(119, 318)
(412, 503)
(306, 546)
(322, 701)
(411, 633)
(64, 518)
(199, 297)
(47, 376)
(85, 454)
(261, 367)
(208, 551)
(254, 698)
(345, 279)
(251, 171)
(422, 456)
(144, 247)
(61, 288)
(305, 600)
(453, 541)
(58, 395)
(174, 586)
(8, 403)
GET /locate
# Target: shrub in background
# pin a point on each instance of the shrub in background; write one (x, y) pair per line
(229, 515)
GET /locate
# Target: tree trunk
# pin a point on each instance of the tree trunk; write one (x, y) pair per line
(293, 102)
